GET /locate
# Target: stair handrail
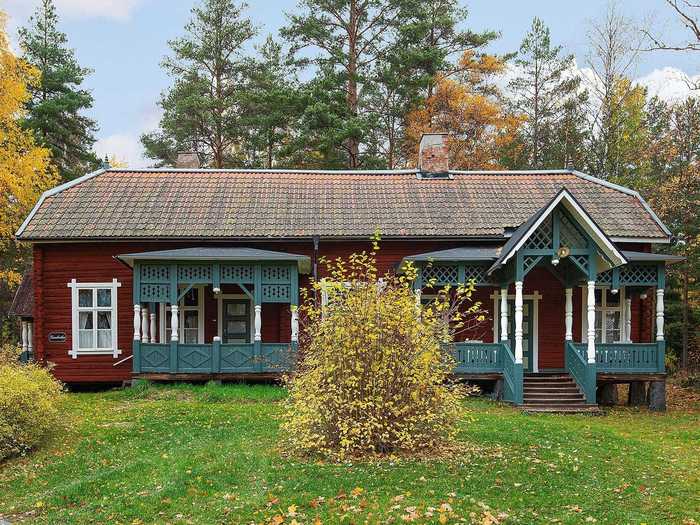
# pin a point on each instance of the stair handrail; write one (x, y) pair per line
(583, 372)
(512, 375)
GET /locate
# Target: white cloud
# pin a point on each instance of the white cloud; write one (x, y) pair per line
(669, 83)
(117, 9)
(125, 147)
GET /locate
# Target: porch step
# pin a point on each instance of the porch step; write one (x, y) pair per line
(553, 393)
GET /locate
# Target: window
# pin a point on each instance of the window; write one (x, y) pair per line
(94, 318)
(191, 318)
(608, 315)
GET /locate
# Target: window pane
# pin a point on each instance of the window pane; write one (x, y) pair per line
(612, 327)
(85, 320)
(191, 318)
(85, 298)
(85, 339)
(598, 296)
(190, 336)
(104, 320)
(612, 299)
(233, 309)
(104, 339)
(191, 297)
(598, 327)
(104, 297)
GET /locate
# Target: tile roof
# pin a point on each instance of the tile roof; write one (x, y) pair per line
(221, 204)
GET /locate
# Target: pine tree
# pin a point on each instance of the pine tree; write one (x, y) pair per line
(203, 108)
(58, 103)
(549, 96)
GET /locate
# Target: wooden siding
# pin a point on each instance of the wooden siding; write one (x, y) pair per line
(56, 264)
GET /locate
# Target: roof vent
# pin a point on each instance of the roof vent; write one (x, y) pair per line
(187, 160)
(433, 155)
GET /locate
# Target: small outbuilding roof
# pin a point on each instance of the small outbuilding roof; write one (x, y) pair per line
(23, 302)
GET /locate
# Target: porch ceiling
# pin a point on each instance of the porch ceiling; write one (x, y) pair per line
(217, 254)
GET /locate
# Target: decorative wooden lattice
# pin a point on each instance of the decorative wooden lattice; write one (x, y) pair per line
(570, 235)
(275, 274)
(276, 293)
(605, 277)
(581, 261)
(155, 357)
(477, 272)
(237, 273)
(529, 262)
(541, 238)
(194, 273)
(638, 274)
(442, 274)
(155, 293)
(155, 273)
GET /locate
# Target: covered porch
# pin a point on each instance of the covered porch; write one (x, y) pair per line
(214, 312)
(577, 270)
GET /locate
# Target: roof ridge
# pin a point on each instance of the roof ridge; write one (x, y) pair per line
(263, 170)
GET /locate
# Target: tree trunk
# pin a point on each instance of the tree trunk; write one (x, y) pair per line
(353, 143)
(607, 394)
(637, 394)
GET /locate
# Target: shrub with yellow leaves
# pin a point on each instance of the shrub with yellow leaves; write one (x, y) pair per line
(374, 364)
(29, 406)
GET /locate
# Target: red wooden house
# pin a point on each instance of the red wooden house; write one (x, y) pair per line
(194, 273)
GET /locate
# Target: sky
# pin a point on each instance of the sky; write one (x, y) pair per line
(124, 41)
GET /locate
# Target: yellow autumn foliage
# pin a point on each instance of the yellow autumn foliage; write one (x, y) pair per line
(372, 377)
(25, 169)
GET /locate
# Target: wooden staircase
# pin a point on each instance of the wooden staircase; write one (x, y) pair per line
(554, 393)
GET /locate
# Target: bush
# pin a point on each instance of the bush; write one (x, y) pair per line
(29, 407)
(9, 354)
(373, 367)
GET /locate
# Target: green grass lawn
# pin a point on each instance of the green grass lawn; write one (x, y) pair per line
(209, 454)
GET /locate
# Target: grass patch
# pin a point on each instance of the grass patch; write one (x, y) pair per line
(209, 454)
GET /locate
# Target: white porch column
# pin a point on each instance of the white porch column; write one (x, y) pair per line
(518, 321)
(504, 314)
(144, 325)
(295, 323)
(591, 322)
(258, 322)
(660, 314)
(569, 314)
(25, 343)
(628, 319)
(30, 337)
(174, 323)
(418, 299)
(137, 322)
(153, 328)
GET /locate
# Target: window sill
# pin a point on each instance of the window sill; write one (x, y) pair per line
(101, 351)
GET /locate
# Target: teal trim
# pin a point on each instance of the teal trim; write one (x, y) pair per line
(136, 351)
(476, 357)
(173, 301)
(661, 276)
(519, 271)
(592, 265)
(247, 291)
(628, 358)
(184, 292)
(661, 356)
(556, 225)
(294, 283)
(216, 276)
(137, 284)
(615, 283)
(512, 376)
(216, 356)
(583, 372)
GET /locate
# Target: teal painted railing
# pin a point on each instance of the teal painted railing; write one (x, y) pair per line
(512, 375)
(477, 357)
(214, 358)
(630, 357)
(580, 369)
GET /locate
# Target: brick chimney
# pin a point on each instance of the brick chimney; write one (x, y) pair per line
(433, 156)
(187, 160)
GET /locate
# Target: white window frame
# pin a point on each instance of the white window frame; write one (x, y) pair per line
(75, 286)
(600, 309)
(165, 311)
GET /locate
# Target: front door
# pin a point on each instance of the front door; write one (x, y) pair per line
(236, 321)
(528, 324)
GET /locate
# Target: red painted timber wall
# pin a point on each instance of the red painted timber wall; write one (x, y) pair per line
(56, 264)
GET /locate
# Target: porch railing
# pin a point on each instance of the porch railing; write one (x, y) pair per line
(512, 375)
(631, 357)
(214, 358)
(477, 357)
(583, 372)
